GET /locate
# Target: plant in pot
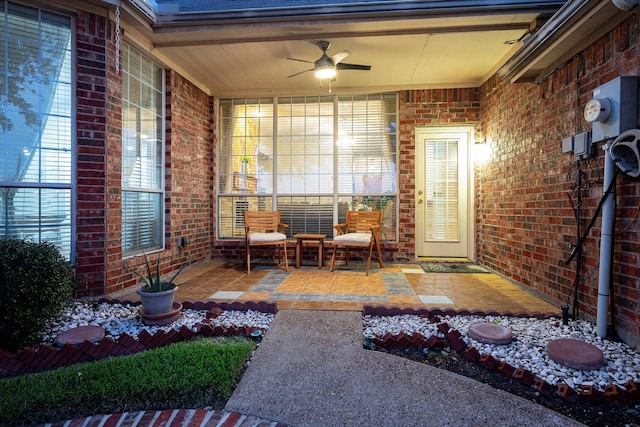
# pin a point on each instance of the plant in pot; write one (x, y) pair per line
(157, 294)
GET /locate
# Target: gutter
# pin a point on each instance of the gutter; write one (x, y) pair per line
(174, 13)
(575, 26)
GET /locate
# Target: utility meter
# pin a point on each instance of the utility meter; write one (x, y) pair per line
(597, 110)
(613, 108)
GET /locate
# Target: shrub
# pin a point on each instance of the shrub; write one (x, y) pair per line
(35, 284)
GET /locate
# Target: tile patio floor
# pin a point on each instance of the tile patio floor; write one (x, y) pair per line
(348, 288)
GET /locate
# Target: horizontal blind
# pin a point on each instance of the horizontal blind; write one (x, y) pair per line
(441, 165)
(36, 138)
(142, 152)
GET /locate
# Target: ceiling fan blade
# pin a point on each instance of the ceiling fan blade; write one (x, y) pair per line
(300, 60)
(340, 56)
(301, 72)
(343, 66)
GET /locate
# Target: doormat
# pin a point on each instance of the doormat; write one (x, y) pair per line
(452, 267)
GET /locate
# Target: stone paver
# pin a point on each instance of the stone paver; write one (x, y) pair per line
(79, 335)
(490, 333)
(575, 354)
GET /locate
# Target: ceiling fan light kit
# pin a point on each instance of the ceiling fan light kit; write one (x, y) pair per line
(325, 72)
(325, 67)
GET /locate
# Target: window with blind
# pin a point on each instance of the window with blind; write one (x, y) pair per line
(442, 190)
(36, 139)
(142, 152)
(312, 158)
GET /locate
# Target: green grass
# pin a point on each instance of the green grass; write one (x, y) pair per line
(191, 374)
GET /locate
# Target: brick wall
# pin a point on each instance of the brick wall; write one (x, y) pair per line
(433, 107)
(99, 205)
(189, 170)
(188, 177)
(419, 108)
(91, 125)
(524, 194)
(524, 216)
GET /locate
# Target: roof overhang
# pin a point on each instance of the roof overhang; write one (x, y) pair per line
(574, 27)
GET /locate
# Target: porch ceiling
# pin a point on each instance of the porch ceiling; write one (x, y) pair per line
(444, 44)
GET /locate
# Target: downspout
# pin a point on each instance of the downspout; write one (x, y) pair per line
(606, 242)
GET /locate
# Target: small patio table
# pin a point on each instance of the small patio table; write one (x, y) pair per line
(300, 238)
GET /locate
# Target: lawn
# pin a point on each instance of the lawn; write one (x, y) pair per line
(200, 373)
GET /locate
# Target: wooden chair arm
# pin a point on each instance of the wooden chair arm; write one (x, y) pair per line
(282, 227)
(340, 228)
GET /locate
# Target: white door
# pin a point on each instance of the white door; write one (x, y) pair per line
(442, 192)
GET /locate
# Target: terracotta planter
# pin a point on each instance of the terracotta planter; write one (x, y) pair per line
(157, 302)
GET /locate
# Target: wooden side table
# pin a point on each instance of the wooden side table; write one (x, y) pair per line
(300, 238)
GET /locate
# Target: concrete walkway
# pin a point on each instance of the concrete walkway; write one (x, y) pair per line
(311, 370)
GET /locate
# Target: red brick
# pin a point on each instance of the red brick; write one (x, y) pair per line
(524, 376)
(615, 393)
(453, 335)
(472, 354)
(435, 342)
(633, 390)
(488, 361)
(443, 327)
(163, 418)
(233, 419)
(567, 393)
(543, 387)
(590, 393)
(458, 345)
(505, 369)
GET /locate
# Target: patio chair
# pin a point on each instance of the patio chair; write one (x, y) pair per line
(361, 230)
(263, 228)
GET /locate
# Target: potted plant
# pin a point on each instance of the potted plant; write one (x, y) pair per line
(157, 294)
(244, 164)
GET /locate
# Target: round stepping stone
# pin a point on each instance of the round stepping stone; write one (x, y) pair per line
(575, 354)
(80, 334)
(490, 333)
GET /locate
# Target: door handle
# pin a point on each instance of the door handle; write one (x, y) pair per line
(419, 192)
(419, 201)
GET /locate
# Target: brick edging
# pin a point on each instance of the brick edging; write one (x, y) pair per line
(629, 391)
(47, 357)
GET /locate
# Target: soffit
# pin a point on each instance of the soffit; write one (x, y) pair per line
(240, 56)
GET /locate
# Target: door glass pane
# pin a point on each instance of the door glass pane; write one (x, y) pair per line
(442, 190)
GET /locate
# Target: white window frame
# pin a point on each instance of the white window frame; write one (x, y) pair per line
(51, 189)
(304, 210)
(139, 136)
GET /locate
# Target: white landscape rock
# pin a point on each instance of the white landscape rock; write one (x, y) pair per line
(528, 348)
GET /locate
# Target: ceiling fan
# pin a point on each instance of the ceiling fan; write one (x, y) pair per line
(325, 67)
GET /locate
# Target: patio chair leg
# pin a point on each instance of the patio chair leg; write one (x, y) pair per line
(286, 260)
(369, 260)
(333, 257)
(248, 261)
(379, 256)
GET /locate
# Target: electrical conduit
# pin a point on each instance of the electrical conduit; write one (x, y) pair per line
(606, 243)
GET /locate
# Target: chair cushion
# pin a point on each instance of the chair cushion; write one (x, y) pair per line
(267, 237)
(353, 238)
